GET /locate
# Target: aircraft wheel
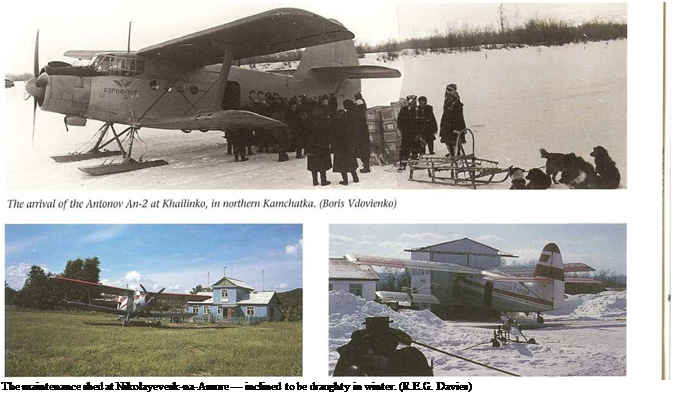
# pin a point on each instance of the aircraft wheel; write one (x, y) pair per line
(187, 131)
(203, 130)
(531, 341)
(540, 319)
(495, 343)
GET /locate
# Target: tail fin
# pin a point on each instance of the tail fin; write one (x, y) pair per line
(123, 303)
(337, 54)
(550, 265)
(544, 154)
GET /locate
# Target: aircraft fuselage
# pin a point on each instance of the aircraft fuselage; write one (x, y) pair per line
(128, 89)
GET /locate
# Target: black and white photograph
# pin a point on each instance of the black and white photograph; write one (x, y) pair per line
(302, 96)
(478, 300)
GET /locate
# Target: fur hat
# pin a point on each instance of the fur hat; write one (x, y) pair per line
(411, 98)
(451, 87)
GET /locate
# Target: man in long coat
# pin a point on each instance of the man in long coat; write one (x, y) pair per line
(452, 122)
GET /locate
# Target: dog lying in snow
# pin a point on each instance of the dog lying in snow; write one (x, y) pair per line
(578, 173)
(608, 174)
(538, 179)
(517, 176)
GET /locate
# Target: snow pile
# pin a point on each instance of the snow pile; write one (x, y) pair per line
(568, 345)
(605, 305)
(348, 313)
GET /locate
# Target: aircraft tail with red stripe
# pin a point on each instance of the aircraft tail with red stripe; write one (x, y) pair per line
(550, 266)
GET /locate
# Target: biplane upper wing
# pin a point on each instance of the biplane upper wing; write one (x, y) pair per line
(357, 72)
(529, 271)
(278, 30)
(88, 54)
(94, 287)
(218, 120)
(180, 297)
(411, 264)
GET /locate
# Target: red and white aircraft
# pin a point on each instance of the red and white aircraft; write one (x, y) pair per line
(130, 304)
(497, 290)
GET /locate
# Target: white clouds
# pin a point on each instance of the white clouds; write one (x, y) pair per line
(104, 233)
(420, 236)
(281, 287)
(485, 238)
(295, 249)
(134, 277)
(365, 243)
(20, 245)
(16, 275)
(339, 239)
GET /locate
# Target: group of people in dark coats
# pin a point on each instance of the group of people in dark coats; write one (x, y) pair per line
(317, 128)
(418, 127)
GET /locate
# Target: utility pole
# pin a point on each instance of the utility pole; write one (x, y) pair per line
(263, 280)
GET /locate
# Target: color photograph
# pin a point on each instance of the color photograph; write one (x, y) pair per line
(478, 300)
(153, 300)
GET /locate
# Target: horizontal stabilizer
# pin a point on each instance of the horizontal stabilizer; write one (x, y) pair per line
(219, 120)
(577, 267)
(580, 280)
(356, 72)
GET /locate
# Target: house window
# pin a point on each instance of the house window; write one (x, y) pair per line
(250, 310)
(356, 289)
(221, 311)
(224, 295)
(195, 309)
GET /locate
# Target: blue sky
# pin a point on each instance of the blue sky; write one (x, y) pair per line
(177, 257)
(602, 246)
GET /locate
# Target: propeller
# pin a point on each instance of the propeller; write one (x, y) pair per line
(36, 86)
(153, 296)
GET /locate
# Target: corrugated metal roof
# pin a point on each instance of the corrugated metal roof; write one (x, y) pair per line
(261, 297)
(421, 249)
(341, 269)
(231, 282)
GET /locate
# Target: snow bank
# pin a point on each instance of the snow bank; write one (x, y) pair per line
(587, 337)
(605, 305)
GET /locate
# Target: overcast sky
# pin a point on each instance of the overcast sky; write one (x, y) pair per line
(177, 257)
(602, 246)
(75, 24)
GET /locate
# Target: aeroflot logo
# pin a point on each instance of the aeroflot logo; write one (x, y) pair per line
(122, 83)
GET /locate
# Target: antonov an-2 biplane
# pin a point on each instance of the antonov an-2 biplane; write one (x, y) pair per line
(190, 83)
(130, 304)
(498, 290)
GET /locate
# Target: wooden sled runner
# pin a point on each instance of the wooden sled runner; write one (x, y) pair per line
(459, 170)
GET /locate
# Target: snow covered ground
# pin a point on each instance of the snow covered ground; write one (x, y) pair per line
(563, 99)
(586, 337)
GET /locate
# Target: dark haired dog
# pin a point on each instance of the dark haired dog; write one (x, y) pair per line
(538, 179)
(517, 176)
(553, 164)
(578, 173)
(609, 176)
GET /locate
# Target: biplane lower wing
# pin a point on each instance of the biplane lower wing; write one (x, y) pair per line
(219, 120)
(356, 72)
(581, 280)
(93, 307)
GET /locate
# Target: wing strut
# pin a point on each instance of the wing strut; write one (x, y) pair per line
(227, 61)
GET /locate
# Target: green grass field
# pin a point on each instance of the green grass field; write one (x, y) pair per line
(46, 344)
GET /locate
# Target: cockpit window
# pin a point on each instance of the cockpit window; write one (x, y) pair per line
(118, 65)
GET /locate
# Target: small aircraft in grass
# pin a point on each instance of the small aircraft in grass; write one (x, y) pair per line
(130, 304)
(190, 83)
(499, 291)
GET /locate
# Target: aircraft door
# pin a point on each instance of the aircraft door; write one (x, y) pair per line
(488, 293)
(232, 98)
